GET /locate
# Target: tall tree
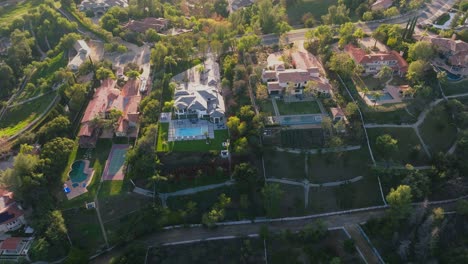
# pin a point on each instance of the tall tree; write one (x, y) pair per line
(272, 196)
(399, 200)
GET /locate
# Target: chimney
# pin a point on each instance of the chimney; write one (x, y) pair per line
(401, 53)
(454, 36)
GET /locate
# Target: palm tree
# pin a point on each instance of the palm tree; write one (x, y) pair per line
(376, 95)
(169, 61)
(384, 72)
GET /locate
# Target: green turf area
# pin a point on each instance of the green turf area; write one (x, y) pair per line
(363, 193)
(370, 83)
(83, 229)
(442, 19)
(46, 71)
(292, 201)
(97, 162)
(18, 117)
(298, 108)
(409, 146)
(190, 145)
(317, 8)
(331, 167)
(210, 252)
(284, 165)
(451, 88)
(302, 138)
(438, 130)
(116, 200)
(15, 11)
(266, 106)
(206, 199)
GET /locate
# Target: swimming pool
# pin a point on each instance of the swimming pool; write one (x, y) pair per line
(450, 76)
(77, 173)
(190, 131)
(385, 96)
(301, 120)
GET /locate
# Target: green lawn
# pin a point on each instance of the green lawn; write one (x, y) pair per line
(292, 202)
(451, 88)
(316, 7)
(359, 194)
(83, 229)
(46, 71)
(98, 160)
(284, 165)
(298, 108)
(438, 130)
(190, 145)
(266, 106)
(15, 11)
(116, 200)
(330, 167)
(18, 117)
(409, 146)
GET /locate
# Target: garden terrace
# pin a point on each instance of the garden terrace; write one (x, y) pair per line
(439, 130)
(409, 150)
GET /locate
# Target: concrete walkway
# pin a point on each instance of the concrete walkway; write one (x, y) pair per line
(315, 185)
(275, 107)
(316, 151)
(360, 242)
(420, 120)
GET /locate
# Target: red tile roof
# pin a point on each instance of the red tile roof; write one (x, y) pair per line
(336, 111)
(361, 57)
(11, 243)
(106, 98)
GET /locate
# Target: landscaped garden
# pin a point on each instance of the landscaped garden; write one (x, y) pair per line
(338, 166)
(83, 228)
(18, 117)
(363, 193)
(266, 107)
(438, 130)
(409, 147)
(298, 108)
(451, 88)
(98, 157)
(284, 165)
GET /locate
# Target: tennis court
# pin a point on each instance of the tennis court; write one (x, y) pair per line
(115, 163)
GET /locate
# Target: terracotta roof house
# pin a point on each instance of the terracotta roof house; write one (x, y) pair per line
(105, 99)
(337, 114)
(278, 77)
(11, 214)
(99, 7)
(141, 26)
(381, 4)
(83, 52)
(374, 61)
(456, 51)
(15, 246)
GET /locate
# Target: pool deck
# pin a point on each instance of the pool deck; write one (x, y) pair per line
(79, 190)
(186, 123)
(392, 90)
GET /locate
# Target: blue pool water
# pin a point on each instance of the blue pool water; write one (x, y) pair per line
(301, 120)
(450, 76)
(385, 96)
(77, 173)
(190, 131)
